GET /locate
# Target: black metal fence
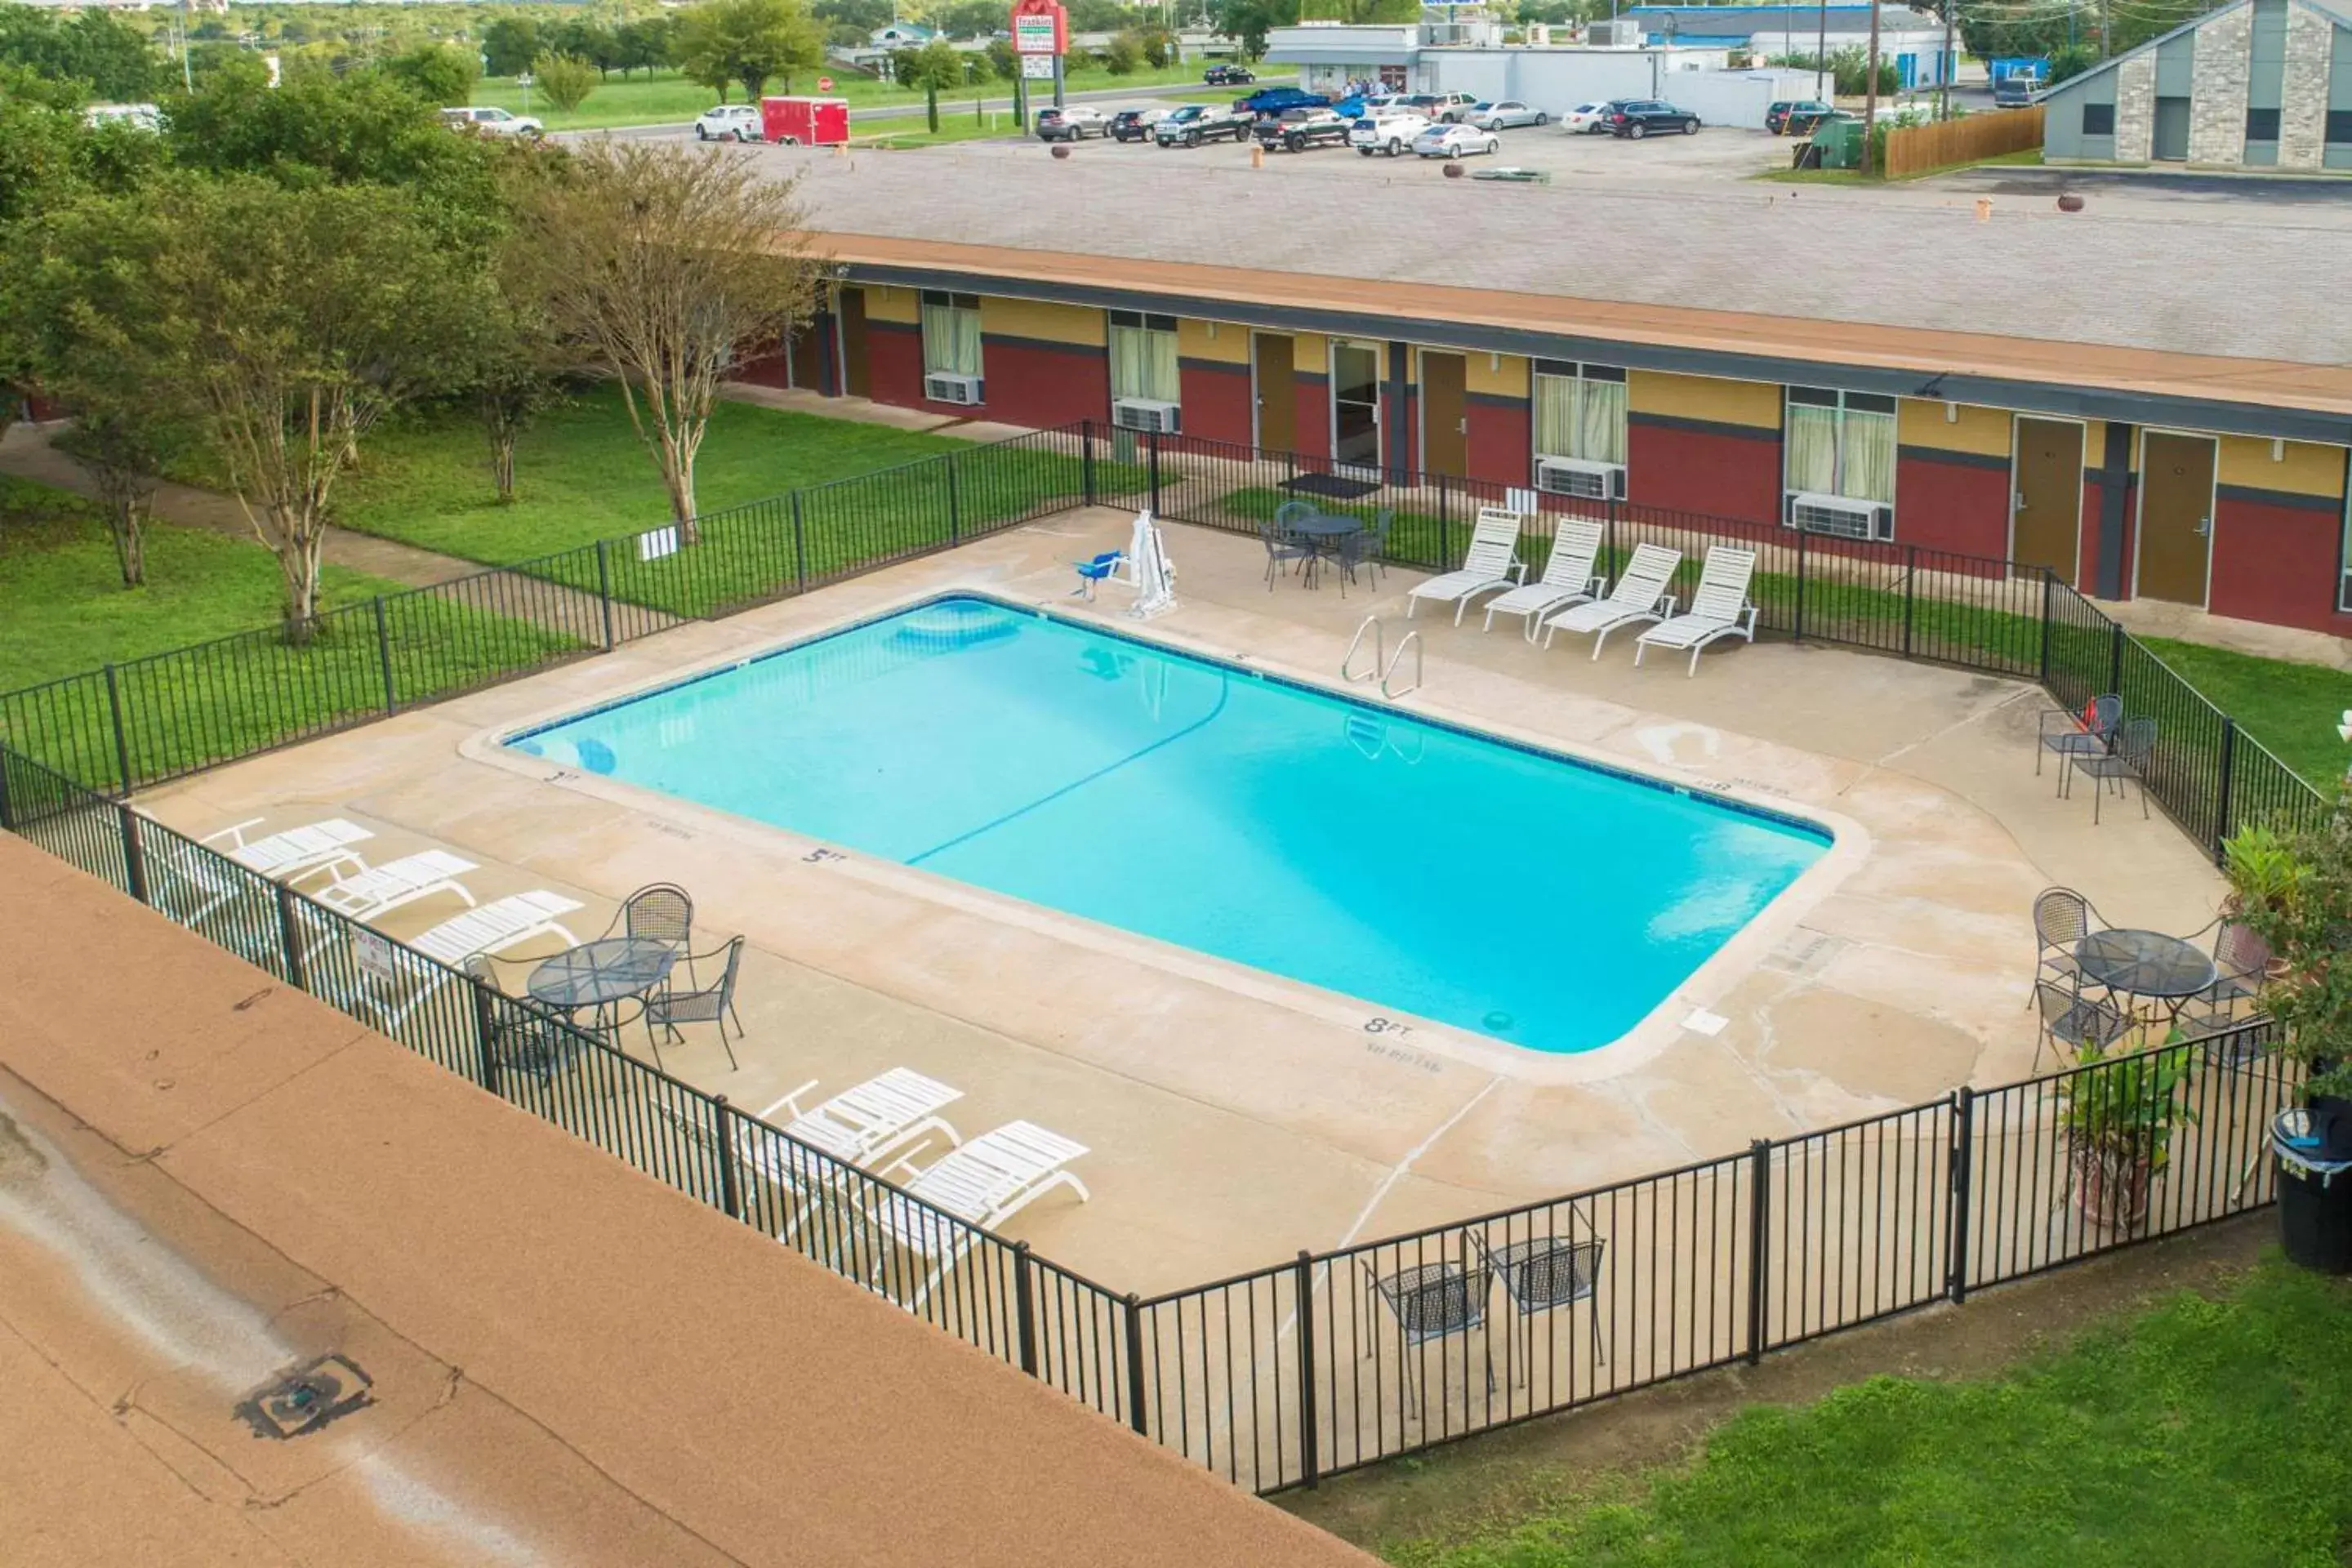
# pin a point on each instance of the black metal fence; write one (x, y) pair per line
(1333, 1359)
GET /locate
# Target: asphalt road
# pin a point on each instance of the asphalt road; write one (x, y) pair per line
(950, 106)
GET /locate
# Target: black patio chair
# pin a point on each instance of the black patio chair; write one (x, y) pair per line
(2242, 962)
(2073, 1021)
(1431, 1301)
(520, 1036)
(2134, 744)
(1367, 547)
(713, 1004)
(2090, 732)
(2062, 919)
(1281, 548)
(1545, 1273)
(661, 911)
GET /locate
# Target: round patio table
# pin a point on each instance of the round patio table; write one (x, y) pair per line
(2145, 963)
(1323, 532)
(598, 974)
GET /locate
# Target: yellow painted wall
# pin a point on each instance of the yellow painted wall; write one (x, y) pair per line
(2301, 467)
(1310, 351)
(1985, 432)
(1222, 342)
(1044, 321)
(1711, 398)
(884, 303)
(1509, 379)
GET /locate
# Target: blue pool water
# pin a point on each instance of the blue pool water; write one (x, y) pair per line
(1423, 869)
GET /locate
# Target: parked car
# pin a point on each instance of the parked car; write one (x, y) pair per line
(1198, 123)
(1074, 124)
(1388, 133)
(1638, 117)
(1586, 120)
(1454, 141)
(487, 120)
(729, 122)
(1297, 130)
(1228, 76)
(1269, 101)
(1796, 117)
(2016, 91)
(137, 116)
(1135, 124)
(1447, 106)
(1505, 115)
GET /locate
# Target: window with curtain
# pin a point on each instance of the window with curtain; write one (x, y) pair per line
(1841, 444)
(950, 333)
(1143, 356)
(1580, 411)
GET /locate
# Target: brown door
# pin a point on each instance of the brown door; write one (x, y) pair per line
(1277, 392)
(854, 379)
(1444, 415)
(2175, 516)
(2045, 518)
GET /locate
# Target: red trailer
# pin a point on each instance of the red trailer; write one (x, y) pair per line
(804, 121)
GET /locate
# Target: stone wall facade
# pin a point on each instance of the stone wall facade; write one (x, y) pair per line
(2302, 117)
(2217, 98)
(2134, 109)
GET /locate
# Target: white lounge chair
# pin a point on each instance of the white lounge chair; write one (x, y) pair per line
(380, 889)
(190, 883)
(1568, 577)
(1637, 596)
(1719, 608)
(296, 852)
(499, 925)
(1491, 565)
(874, 1119)
(983, 1182)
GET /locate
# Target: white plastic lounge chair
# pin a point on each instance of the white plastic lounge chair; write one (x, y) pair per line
(189, 884)
(499, 925)
(874, 1118)
(1636, 597)
(1719, 609)
(1491, 565)
(379, 891)
(985, 1181)
(296, 852)
(1568, 577)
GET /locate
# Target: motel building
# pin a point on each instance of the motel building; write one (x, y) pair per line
(2136, 403)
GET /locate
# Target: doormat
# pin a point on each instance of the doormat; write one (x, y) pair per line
(1338, 487)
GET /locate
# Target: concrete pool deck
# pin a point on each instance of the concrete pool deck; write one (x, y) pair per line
(1233, 1120)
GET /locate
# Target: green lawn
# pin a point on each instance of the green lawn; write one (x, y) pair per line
(2292, 709)
(581, 474)
(64, 613)
(2204, 1431)
(668, 98)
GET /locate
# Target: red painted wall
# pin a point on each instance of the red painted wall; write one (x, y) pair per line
(1502, 443)
(1041, 384)
(1216, 401)
(1959, 506)
(2274, 559)
(894, 366)
(1313, 415)
(1716, 469)
(768, 370)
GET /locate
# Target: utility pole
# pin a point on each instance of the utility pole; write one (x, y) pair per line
(1870, 94)
(188, 70)
(2102, 29)
(1943, 93)
(1821, 55)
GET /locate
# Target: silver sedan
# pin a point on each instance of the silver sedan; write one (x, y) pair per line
(1505, 115)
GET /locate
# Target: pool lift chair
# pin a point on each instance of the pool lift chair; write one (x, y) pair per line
(1143, 567)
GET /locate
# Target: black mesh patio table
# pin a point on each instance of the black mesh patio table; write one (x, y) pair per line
(597, 974)
(2145, 963)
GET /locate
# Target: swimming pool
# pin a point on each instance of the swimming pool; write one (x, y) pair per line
(1421, 867)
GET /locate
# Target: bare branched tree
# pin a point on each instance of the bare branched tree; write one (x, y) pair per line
(667, 266)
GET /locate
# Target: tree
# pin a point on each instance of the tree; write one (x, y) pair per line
(749, 41)
(645, 44)
(510, 44)
(567, 80)
(113, 59)
(937, 66)
(663, 268)
(1159, 47)
(1002, 61)
(2295, 892)
(1246, 21)
(969, 19)
(1123, 54)
(293, 319)
(586, 39)
(868, 16)
(439, 73)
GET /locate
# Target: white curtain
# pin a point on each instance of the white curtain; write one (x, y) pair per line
(1556, 416)
(1602, 428)
(1867, 469)
(1813, 449)
(950, 339)
(1143, 365)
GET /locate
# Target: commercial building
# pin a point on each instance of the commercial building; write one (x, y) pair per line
(1914, 42)
(2259, 84)
(2122, 402)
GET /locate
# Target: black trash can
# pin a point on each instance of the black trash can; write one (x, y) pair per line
(2314, 1191)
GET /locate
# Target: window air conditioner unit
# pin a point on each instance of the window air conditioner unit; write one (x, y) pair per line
(1575, 476)
(944, 388)
(1838, 515)
(1147, 414)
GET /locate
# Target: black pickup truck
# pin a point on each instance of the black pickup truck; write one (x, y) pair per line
(1297, 130)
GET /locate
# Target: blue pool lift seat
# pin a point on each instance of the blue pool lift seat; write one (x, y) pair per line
(1091, 572)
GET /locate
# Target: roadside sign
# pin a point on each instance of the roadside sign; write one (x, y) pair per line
(372, 953)
(825, 84)
(1033, 34)
(657, 542)
(1037, 67)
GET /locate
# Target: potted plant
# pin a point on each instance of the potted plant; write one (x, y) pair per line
(2295, 892)
(2118, 1115)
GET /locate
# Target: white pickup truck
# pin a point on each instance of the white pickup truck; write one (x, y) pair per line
(1388, 132)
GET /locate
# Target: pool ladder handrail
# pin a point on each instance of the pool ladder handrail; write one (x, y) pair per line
(1411, 640)
(1380, 652)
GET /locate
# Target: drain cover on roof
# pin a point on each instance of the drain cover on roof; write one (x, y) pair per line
(304, 1398)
